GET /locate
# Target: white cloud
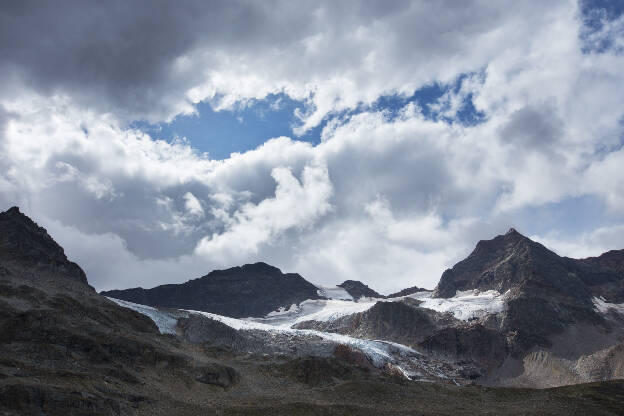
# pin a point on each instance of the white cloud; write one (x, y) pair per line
(390, 200)
(192, 204)
(587, 244)
(296, 204)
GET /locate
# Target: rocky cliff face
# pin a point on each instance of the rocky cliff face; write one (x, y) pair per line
(249, 290)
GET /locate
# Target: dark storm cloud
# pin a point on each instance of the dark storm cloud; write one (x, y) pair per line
(121, 56)
(534, 127)
(139, 59)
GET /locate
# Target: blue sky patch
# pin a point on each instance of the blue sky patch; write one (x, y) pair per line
(220, 133)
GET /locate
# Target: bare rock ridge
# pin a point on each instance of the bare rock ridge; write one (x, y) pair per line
(249, 290)
(25, 244)
(358, 289)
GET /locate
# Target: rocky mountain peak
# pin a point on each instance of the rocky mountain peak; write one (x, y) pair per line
(358, 289)
(24, 243)
(505, 262)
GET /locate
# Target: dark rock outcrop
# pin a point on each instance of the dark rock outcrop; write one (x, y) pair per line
(252, 290)
(218, 374)
(476, 343)
(198, 329)
(323, 371)
(24, 244)
(358, 289)
(406, 292)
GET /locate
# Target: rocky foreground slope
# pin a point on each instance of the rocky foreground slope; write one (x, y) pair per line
(66, 350)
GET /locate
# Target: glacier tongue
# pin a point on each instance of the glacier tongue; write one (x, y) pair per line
(410, 362)
(464, 306)
(165, 321)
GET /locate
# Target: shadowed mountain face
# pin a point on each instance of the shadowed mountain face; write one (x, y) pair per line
(513, 261)
(604, 274)
(358, 289)
(546, 292)
(249, 290)
(24, 244)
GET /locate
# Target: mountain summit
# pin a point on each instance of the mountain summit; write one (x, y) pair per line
(505, 262)
(545, 293)
(25, 245)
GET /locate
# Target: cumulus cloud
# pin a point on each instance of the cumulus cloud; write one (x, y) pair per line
(192, 205)
(389, 196)
(295, 205)
(587, 244)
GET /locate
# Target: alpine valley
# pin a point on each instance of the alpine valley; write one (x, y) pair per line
(512, 329)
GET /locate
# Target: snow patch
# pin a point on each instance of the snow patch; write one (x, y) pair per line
(605, 307)
(294, 309)
(334, 292)
(465, 305)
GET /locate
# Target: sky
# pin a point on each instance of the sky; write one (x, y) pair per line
(375, 141)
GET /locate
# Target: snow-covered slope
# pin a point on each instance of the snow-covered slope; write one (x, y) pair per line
(334, 292)
(413, 364)
(606, 307)
(314, 310)
(464, 305)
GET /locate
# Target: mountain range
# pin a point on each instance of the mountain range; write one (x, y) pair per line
(254, 340)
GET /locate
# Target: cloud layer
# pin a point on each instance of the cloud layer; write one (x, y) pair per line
(387, 197)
